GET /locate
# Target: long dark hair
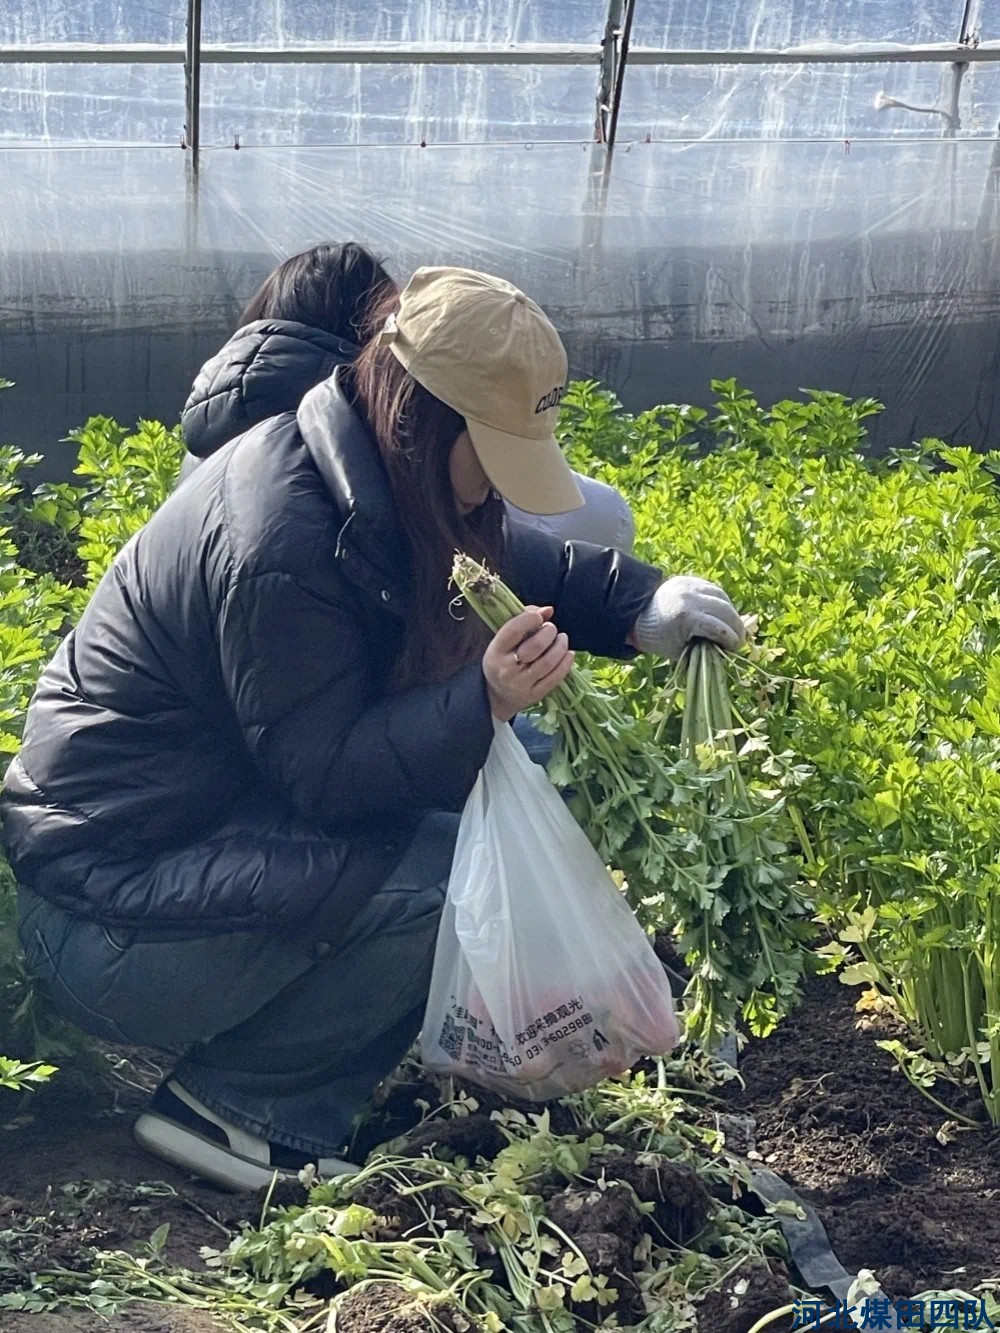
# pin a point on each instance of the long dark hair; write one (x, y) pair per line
(415, 433)
(330, 287)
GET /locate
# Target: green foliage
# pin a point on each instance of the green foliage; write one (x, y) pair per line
(126, 477)
(601, 435)
(33, 613)
(15, 1075)
(479, 1249)
(744, 934)
(876, 750)
(877, 587)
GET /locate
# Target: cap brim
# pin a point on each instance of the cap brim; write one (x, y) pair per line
(531, 475)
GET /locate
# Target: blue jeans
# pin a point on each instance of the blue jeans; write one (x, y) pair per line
(283, 1039)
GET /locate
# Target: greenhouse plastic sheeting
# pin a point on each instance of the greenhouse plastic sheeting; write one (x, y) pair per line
(302, 105)
(82, 104)
(842, 101)
(33, 22)
(788, 265)
(315, 105)
(802, 101)
(312, 105)
(471, 22)
(721, 25)
(298, 105)
(811, 223)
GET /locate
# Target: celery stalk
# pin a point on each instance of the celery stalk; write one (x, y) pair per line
(701, 856)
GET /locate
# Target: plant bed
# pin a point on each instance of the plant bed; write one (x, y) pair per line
(72, 1180)
(830, 1113)
(837, 1119)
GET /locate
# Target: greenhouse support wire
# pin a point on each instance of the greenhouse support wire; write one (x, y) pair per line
(453, 54)
(508, 145)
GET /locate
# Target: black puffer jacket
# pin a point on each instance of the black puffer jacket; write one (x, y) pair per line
(265, 368)
(214, 748)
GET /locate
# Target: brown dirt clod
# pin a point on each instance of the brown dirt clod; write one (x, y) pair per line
(682, 1201)
(473, 1136)
(605, 1225)
(735, 1307)
(383, 1307)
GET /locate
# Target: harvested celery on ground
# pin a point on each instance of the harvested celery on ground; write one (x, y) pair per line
(702, 855)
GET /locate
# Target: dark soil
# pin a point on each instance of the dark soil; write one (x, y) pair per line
(396, 1216)
(397, 1112)
(837, 1120)
(681, 1200)
(402, 1217)
(666, 950)
(397, 1109)
(823, 1107)
(750, 1294)
(605, 1225)
(473, 1137)
(71, 1171)
(140, 1319)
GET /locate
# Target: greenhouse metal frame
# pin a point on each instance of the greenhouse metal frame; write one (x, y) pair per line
(609, 59)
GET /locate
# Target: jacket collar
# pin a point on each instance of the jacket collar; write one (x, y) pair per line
(371, 544)
(265, 368)
(331, 344)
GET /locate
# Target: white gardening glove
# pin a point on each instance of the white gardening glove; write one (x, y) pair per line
(685, 608)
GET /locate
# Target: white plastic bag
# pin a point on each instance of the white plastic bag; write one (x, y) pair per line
(544, 983)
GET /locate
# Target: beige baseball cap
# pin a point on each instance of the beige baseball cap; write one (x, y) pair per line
(493, 356)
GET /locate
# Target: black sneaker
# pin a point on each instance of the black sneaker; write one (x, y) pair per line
(180, 1130)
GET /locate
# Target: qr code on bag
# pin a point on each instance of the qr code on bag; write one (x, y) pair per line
(452, 1038)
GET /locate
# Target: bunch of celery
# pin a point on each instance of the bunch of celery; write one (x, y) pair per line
(699, 851)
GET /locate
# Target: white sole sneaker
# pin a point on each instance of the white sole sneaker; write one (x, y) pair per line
(242, 1163)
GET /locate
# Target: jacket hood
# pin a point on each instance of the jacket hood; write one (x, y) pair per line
(265, 368)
